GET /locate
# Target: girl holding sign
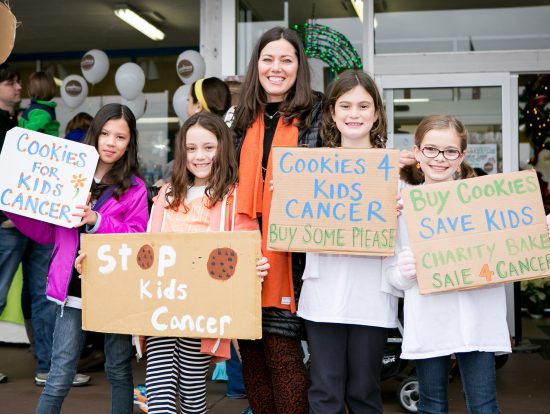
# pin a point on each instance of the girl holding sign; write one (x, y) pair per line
(201, 197)
(118, 204)
(345, 302)
(471, 323)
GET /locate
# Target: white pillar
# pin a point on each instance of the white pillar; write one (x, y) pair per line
(218, 36)
(368, 37)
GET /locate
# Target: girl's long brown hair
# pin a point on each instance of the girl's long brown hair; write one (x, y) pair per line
(413, 175)
(346, 82)
(224, 172)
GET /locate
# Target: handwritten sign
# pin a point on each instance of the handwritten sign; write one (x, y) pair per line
(477, 232)
(45, 177)
(334, 200)
(483, 156)
(196, 285)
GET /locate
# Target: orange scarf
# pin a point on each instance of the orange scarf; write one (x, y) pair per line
(255, 200)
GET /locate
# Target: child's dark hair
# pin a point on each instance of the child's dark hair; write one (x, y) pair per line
(414, 175)
(216, 94)
(41, 86)
(224, 172)
(81, 120)
(346, 82)
(127, 166)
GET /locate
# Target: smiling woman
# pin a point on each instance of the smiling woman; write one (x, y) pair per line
(276, 108)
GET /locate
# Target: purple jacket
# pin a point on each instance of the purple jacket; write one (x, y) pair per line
(129, 214)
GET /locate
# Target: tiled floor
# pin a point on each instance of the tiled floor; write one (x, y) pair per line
(523, 384)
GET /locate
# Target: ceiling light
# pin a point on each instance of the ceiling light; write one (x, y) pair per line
(124, 12)
(409, 100)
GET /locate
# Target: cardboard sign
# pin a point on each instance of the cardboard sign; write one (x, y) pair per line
(195, 285)
(477, 232)
(334, 200)
(45, 177)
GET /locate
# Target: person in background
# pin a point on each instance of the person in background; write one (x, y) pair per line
(77, 127)
(16, 248)
(205, 95)
(117, 204)
(276, 107)
(40, 114)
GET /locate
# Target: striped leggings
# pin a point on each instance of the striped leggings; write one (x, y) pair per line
(175, 366)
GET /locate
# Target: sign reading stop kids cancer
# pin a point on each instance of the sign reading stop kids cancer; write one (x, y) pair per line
(45, 177)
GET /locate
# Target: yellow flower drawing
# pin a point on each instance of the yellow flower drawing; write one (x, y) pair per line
(78, 181)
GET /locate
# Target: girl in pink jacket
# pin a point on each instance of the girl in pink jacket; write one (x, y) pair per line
(118, 204)
(201, 197)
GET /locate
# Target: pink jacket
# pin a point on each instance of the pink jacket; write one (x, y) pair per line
(128, 214)
(218, 348)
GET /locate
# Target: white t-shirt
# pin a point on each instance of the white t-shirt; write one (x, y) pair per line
(346, 289)
(440, 324)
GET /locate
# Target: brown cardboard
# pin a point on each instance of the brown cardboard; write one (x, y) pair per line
(8, 24)
(334, 200)
(480, 231)
(165, 276)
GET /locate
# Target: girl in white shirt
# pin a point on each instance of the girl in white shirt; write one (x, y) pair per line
(470, 324)
(343, 301)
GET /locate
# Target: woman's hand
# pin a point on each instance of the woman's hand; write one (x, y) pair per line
(262, 267)
(407, 264)
(406, 157)
(78, 262)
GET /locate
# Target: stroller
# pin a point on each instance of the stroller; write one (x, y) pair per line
(394, 367)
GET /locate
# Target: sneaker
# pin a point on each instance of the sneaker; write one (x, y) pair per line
(78, 380)
(3, 378)
(247, 410)
(140, 397)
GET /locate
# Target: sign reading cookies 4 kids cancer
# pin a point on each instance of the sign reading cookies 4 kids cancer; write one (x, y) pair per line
(196, 285)
(334, 200)
(45, 177)
(477, 232)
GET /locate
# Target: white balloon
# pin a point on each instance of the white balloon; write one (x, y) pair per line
(74, 90)
(179, 102)
(190, 66)
(129, 80)
(137, 106)
(94, 65)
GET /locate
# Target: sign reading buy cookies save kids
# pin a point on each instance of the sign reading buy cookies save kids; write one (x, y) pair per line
(45, 177)
(334, 200)
(479, 231)
(197, 285)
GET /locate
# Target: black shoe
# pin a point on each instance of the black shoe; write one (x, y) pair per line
(94, 359)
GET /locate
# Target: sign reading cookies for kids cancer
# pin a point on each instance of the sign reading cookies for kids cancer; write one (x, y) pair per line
(334, 200)
(477, 232)
(196, 285)
(45, 177)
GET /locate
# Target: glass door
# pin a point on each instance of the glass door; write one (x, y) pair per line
(483, 102)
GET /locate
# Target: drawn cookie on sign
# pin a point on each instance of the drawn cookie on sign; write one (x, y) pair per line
(222, 263)
(145, 257)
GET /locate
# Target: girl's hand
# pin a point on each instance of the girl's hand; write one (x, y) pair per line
(406, 157)
(271, 185)
(548, 223)
(88, 215)
(262, 267)
(78, 262)
(399, 205)
(407, 264)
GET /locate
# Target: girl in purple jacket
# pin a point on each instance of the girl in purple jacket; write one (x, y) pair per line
(118, 204)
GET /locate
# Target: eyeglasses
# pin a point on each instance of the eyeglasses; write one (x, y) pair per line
(449, 154)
